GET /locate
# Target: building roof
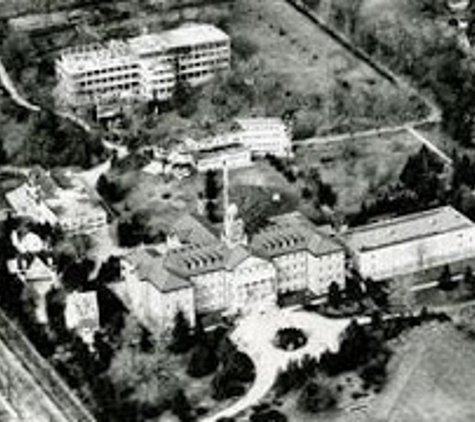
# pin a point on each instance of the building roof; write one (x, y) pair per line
(28, 242)
(293, 233)
(82, 310)
(149, 264)
(252, 123)
(194, 229)
(195, 261)
(102, 56)
(186, 35)
(406, 228)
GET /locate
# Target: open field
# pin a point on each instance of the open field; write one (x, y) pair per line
(356, 168)
(431, 380)
(292, 45)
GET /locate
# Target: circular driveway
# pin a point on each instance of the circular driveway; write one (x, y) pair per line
(255, 334)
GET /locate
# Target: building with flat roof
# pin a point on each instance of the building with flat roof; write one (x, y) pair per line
(81, 315)
(264, 135)
(411, 243)
(142, 68)
(214, 158)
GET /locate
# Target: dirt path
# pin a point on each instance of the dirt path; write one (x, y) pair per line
(10, 87)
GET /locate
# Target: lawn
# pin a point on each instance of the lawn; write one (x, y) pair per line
(258, 191)
(292, 45)
(357, 168)
(431, 380)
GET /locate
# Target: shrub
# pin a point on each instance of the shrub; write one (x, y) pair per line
(290, 339)
(316, 398)
(203, 361)
(268, 415)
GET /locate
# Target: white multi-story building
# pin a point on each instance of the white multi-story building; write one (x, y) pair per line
(199, 272)
(412, 243)
(142, 68)
(71, 208)
(233, 156)
(306, 257)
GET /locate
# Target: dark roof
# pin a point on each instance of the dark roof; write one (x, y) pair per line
(205, 259)
(293, 233)
(150, 267)
(196, 230)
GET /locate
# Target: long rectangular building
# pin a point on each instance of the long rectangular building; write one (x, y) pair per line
(412, 243)
(142, 68)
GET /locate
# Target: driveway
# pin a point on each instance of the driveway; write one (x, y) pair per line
(254, 336)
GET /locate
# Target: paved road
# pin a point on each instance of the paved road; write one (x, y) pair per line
(11, 89)
(323, 334)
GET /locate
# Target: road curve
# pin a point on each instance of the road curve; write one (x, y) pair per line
(10, 87)
(322, 333)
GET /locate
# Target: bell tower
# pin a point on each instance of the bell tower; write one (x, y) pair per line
(233, 233)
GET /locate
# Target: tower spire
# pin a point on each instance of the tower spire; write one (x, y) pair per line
(233, 227)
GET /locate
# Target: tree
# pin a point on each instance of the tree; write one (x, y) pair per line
(181, 407)
(55, 305)
(17, 50)
(316, 398)
(182, 338)
(334, 295)
(109, 271)
(469, 281)
(76, 274)
(142, 380)
(203, 361)
(353, 289)
(267, 415)
(212, 187)
(445, 281)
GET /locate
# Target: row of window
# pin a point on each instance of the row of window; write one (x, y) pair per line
(106, 70)
(205, 63)
(108, 80)
(111, 89)
(201, 54)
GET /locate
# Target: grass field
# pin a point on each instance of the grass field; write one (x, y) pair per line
(356, 168)
(292, 45)
(431, 380)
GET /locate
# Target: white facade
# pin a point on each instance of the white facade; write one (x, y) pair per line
(72, 209)
(156, 308)
(142, 68)
(251, 285)
(37, 274)
(233, 157)
(264, 136)
(81, 315)
(26, 203)
(325, 269)
(412, 243)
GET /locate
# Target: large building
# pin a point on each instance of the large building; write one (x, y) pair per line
(412, 243)
(206, 269)
(142, 68)
(261, 136)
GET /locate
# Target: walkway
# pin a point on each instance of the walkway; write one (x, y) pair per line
(254, 336)
(10, 87)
